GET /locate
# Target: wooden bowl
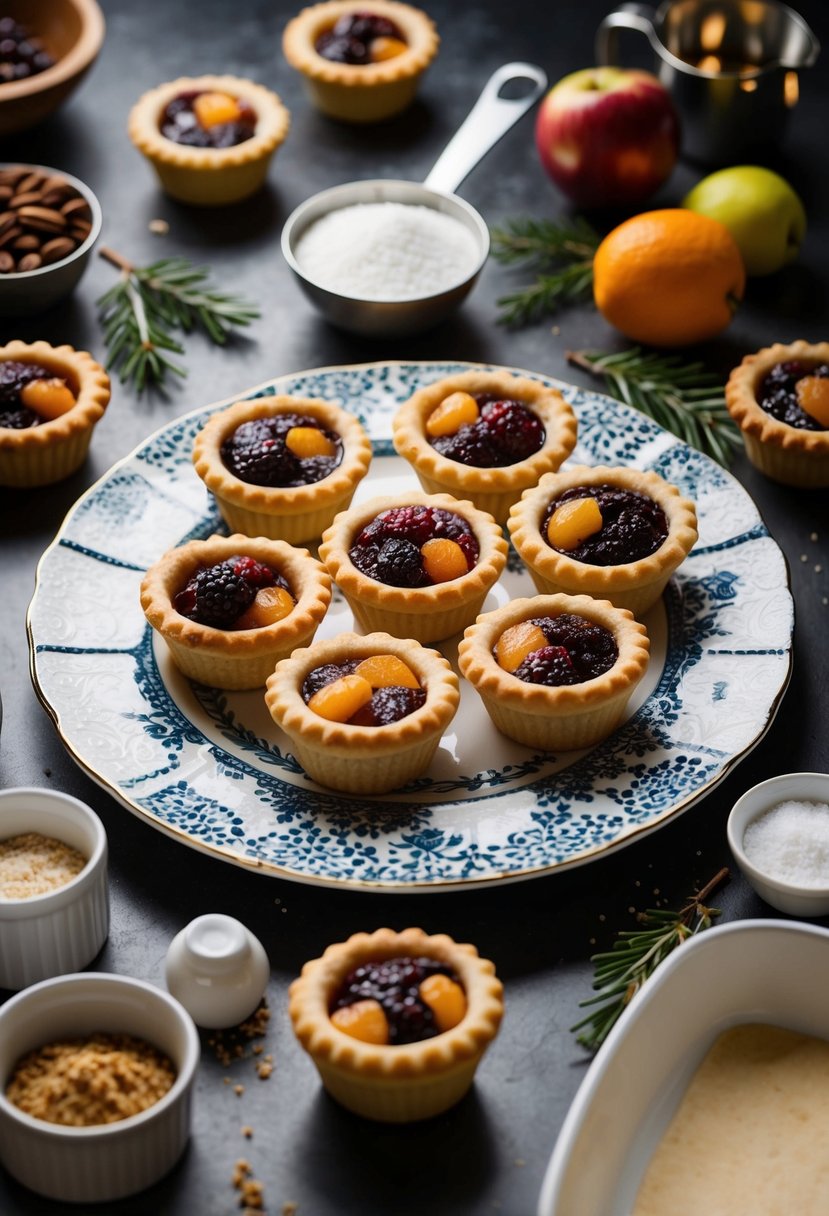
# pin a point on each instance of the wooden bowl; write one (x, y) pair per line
(73, 31)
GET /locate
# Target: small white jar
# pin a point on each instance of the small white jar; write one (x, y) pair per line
(217, 969)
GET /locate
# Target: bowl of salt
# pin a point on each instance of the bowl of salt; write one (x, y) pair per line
(779, 835)
(388, 258)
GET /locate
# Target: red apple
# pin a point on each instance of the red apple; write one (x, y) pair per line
(608, 137)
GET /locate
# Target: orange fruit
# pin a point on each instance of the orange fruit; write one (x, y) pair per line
(668, 278)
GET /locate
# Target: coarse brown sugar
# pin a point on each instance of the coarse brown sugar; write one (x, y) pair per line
(32, 864)
(87, 1082)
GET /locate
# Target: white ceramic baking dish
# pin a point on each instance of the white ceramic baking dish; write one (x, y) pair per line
(750, 971)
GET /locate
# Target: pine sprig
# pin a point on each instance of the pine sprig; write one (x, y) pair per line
(621, 972)
(683, 398)
(142, 311)
(560, 251)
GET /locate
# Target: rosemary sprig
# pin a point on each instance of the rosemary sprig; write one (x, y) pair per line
(683, 398)
(141, 312)
(621, 972)
(560, 251)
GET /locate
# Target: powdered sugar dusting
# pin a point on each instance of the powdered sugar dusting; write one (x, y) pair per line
(790, 842)
(387, 251)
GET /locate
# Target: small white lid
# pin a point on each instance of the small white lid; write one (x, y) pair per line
(216, 944)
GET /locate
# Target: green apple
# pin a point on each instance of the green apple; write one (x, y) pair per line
(759, 209)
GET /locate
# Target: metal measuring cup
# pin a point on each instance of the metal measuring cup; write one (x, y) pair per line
(490, 118)
(730, 66)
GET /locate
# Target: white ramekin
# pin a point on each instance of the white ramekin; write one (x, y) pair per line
(63, 930)
(109, 1161)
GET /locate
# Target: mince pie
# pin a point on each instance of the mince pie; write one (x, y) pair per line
(614, 533)
(555, 672)
(282, 466)
(485, 436)
(364, 714)
(230, 607)
(780, 398)
(416, 565)
(397, 1023)
(361, 63)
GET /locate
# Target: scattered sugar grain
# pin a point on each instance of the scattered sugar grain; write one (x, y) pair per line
(790, 842)
(32, 864)
(387, 251)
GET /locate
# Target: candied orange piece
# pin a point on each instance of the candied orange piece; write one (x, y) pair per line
(305, 441)
(48, 398)
(387, 671)
(340, 700)
(813, 397)
(272, 604)
(573, 522)
(454, 411)
(385, 48)
(445, 998)
(364, 1020)
(211, 109)
(443, 559)
(516, 643)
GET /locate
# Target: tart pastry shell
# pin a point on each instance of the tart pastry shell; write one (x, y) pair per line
(43, 454)
(295, 513)
(633, 585)
(408, 1082)
(783, 453)
(209, 177)
(493, 489)
(364, 759)
(234, 658)
(555, 718)
(428, 614)
(360, 93)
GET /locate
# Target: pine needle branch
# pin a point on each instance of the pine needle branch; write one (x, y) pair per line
(683, 398)
(636, 953)
(142, 311)
(560, 251)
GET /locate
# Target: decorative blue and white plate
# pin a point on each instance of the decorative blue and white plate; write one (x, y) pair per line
(210, 768)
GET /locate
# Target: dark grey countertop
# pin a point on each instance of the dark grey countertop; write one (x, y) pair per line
(489, 1153)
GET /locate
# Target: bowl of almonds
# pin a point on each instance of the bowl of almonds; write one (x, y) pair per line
(49, 223)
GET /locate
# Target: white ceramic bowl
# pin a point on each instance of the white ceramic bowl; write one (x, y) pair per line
(750, 971)
(785, 896)
(93, 1164)
(61, 931)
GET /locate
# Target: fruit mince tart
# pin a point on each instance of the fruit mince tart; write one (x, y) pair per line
(485, 436)
(415, 564)
(397, 1023)
(614, 533)
(282, 466)
(365, 713)
(360, 62)
(210, 139)
(780, 399)
(51, 398)
(230, 607)
(555, 672)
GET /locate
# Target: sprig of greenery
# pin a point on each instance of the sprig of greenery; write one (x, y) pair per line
(621, 972)
(142, 311)
(683, 398)
(561, 252)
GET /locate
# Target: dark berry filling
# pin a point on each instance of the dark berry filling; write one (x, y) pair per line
(395, 984)
(387, 705)
(504, 433)
(349, 41)
(577, 650)
(21, 55)
(257, 452)
(14, 377)
(219, 595)
(633, 526)
(778, 394)
(180, 123)
(389, 548)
